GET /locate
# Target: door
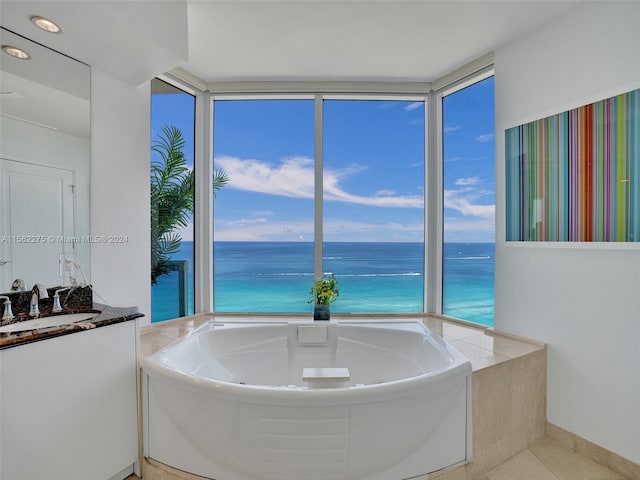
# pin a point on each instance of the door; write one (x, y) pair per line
(36, 222)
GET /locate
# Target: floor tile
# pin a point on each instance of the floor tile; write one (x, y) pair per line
(568, 465)
(524, 466)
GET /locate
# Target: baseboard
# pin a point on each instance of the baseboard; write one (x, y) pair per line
(598, 454)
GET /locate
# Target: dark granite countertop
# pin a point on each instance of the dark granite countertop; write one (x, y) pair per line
(106, 316)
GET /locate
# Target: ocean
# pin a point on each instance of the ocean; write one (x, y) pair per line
(373, 277)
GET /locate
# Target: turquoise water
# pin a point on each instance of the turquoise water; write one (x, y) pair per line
(373, 277)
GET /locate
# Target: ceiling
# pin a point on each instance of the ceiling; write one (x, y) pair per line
(297, 40)
(352, 40)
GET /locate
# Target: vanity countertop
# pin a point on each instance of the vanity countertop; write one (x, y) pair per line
(107, 316)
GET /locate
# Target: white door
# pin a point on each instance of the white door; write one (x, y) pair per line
(36, 222)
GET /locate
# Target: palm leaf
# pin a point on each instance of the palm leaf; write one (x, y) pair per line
(172, 197)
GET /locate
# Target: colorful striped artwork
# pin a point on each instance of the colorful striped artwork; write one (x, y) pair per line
(575, 176)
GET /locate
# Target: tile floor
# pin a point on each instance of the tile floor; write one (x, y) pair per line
(548, 461)
(545, 461)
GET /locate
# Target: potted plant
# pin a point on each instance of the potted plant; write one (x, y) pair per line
(323, 292)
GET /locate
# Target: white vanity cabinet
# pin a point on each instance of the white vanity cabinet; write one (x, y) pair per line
(69, 406)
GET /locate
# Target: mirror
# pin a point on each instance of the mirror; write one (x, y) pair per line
(44, 166)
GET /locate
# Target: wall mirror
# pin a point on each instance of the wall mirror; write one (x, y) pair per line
(44, 166)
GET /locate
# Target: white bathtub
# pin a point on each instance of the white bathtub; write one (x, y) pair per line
(229, 402)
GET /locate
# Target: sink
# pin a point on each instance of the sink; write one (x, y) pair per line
(47, 322)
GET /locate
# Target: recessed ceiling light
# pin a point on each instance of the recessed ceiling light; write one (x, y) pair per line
(46, 24)
(16, 52)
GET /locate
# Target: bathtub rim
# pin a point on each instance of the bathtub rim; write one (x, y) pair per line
(153, 368)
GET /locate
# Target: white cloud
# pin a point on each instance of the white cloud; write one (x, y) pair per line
(248, 221)
(262, 213)
(334, 228)
(294, 177)
(461, 201)
(469, 181)
(384, 193)
(487, 137)
(458, 225)
(469, 230)
(333, 192)
(290, 230)
(358, 231)
(451, 128)
(186, 233)
(413, 106)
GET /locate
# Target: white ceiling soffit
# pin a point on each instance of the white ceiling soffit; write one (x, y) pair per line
(130, 40)
(307, 40)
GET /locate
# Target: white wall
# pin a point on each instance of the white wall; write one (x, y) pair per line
(120, 123)
(584, 302)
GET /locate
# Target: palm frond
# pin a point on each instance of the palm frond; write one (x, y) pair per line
(172, 197)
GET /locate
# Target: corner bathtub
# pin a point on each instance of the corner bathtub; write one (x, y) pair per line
(379, 401)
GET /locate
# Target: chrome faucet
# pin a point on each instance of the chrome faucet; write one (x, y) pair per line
(56, 299)
(38, 292)
(8, 314)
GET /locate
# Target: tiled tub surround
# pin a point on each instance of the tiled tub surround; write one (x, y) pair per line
(509, 389)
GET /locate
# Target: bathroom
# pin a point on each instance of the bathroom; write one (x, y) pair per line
(579, 300)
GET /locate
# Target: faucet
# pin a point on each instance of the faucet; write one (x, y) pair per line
(56, 299)
(8, 314)
(38, 292)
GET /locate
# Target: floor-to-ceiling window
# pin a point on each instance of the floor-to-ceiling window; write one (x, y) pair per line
(172, 201)
(263, 217)
(469, 202)
(373, 203)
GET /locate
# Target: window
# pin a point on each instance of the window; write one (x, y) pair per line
(375, 224)
(373, 210)
(469, 203)
(172, 201)
(263, 218)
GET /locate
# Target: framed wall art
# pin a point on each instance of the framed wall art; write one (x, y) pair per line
(575, 176)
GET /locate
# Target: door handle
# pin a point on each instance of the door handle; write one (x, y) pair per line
(4, 262)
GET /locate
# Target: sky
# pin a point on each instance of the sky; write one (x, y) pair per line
(373, 154)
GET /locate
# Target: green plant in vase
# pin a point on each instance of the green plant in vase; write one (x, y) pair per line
(323, 293)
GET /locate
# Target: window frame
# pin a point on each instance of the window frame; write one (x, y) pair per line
(187, 89)
(430, 93)
(319, 98)
(438, 136)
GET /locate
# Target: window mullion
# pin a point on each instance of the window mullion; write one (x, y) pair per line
(203, 284)
(438, 203)
(318, 192)
(433, 205)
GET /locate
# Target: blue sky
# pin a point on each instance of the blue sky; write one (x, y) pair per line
(373, 166)
(469, 163)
